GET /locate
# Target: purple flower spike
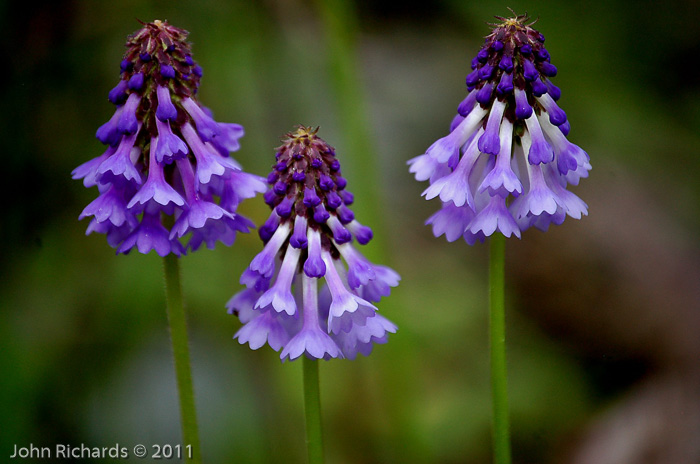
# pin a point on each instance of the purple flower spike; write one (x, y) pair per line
(153, 126)
(495, 171)
(166, 110)
(337, 318)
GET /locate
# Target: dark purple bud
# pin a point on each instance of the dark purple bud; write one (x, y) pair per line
(326, 183)
(557, 116)
(497, 45)
(348, 198)
(542, 54)
(472, 78)
(363, 234)
(552, 90)
(126, 65)
(311, 199)
(506, 63)
(467, 104)
(280, 188)
(136, 81)
(272, 177)
(316, 163)
(320, 214)
(341, 182)
(189, 61)
(268, 229)
(298, 176)
(345, 214)
(523, 110)
(540, 38)
(335, 165)
(298, 238)
(145, 57)
(565, 128)
(505, 86)
(483, 95)
(284, 209)
(118, 94)
(167, 71)
(526, 49)
(538, 88)
(485, 72)
(548, 69)
(529, 71)
(475, 62)
(197, 70)
(270, 196)
(483, 55)
(333, 200)
(281, 166)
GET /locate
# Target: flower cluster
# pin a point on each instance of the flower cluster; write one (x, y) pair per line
(166, 171)
(309, 230)
(507, 162)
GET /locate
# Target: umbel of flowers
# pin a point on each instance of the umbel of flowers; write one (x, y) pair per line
(506, 163)
(310, 291)
(166, 172)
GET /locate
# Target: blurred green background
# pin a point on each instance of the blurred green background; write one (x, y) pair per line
(603, 313)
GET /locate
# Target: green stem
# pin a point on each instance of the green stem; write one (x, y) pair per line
(312, 409)
(181, 356)
(499, 388)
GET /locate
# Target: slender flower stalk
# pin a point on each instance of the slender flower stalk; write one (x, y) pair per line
(504, 167)
(166, 173)
(309, 237)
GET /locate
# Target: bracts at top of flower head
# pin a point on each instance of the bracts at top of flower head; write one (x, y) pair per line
(506, 164)
(310, 229)
(165, 156)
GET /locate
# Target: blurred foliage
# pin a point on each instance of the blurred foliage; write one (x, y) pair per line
(83, 334)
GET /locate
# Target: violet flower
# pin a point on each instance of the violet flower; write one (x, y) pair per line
(166, 172)
(308, 237)
(506, 163)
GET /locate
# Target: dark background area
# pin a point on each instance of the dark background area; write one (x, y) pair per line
(603, 313)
